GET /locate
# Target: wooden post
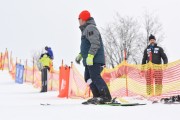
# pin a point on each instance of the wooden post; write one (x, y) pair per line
(71, 64)
(1, 61)
(25, 70)
(7, 58)
(125, 59)
(151, 75)
(16, 61)
(33, 69)
(62, 63)
(10, 65)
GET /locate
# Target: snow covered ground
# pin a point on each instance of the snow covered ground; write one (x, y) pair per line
(22, 102)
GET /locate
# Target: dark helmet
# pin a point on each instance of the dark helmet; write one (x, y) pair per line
(46, 47)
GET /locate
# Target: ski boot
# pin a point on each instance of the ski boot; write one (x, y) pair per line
(96, 100)
(168, 100)
(178, 98)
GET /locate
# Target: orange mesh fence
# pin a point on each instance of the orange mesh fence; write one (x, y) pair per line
(1, 62)
(5, 61)
(34, 76)
(31, 74)
(78, 87)
(53, 83)
(149, 80)
(171, 79)
(13, 69)
(28, 71)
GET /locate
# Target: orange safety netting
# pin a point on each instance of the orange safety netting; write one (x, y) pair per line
(149, 80)
(77, 86)
(29, 74)
(1, 63)
(53, 83)
(12, 70)
(33, 75)
(4, 62)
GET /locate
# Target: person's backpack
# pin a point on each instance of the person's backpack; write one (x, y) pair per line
(39, 65)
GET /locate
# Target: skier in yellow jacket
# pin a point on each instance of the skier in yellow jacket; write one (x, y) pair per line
(46, 62)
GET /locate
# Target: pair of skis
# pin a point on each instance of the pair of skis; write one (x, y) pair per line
(113, 103)
(110, 104)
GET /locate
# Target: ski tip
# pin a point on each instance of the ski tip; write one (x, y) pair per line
(154, 102)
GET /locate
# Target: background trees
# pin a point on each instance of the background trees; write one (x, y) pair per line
(131, 35)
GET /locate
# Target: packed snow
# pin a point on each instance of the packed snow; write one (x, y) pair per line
(23, 102)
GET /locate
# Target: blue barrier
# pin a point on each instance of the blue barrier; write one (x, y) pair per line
(19, 73)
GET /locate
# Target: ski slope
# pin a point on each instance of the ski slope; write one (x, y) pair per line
(22, 102)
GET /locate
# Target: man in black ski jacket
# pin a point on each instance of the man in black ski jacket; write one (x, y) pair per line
(92, 53)
(154, 54)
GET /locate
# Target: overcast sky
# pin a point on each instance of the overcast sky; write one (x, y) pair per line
(29, 25)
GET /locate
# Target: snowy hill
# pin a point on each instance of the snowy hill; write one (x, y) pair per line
(22, 102)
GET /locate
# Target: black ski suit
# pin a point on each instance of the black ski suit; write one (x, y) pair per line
(154, 54)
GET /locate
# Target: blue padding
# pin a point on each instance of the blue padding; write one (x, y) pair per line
(19, 73)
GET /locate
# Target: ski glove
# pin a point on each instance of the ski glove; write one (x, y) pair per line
(89, 59)
(78, 59)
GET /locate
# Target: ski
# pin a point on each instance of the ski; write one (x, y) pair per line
(123, 104)
(115, 104)
(45, 104)
(112, 103)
